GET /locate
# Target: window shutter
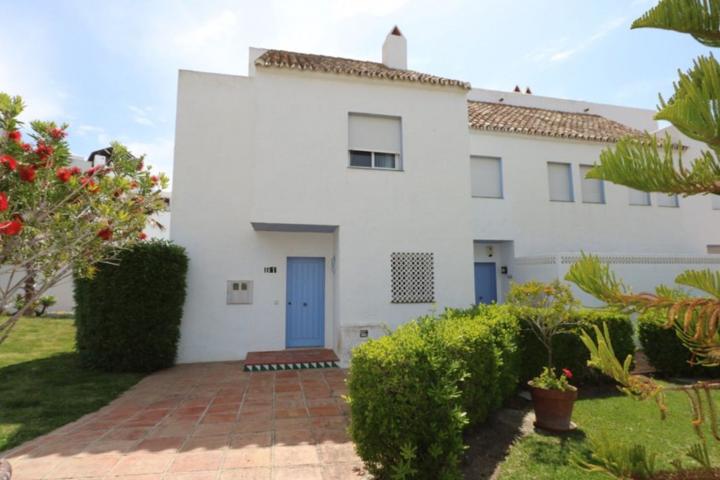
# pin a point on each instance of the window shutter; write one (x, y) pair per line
(637, 197)
(560, 182)
(486, 177)
(593, 191)
(374, 133)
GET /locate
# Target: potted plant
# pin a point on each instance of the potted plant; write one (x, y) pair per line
(549, 310)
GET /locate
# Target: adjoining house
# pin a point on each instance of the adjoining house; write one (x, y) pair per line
(323, 200)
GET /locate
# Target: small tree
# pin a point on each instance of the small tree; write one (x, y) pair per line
(548, 308)
(57, 220)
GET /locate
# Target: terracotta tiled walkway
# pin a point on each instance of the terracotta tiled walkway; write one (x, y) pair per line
(206, 421)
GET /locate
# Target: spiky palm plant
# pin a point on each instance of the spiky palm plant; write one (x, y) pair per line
(655, 164)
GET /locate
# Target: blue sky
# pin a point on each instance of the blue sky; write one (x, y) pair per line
(109, 67)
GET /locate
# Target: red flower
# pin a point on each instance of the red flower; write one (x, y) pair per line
(3, 201)
(15, 136)
(43, 150)
(27, 173)
(106, 233)
(9, 161)
(75, 170)
(154, 179)
(57, 133)
(568, 374)
(63, 174)
(26, 147)
(12, 227)
(88, 183)
(142, 235)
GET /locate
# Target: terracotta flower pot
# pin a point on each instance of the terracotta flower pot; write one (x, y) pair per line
(5, 470)
(553, 408)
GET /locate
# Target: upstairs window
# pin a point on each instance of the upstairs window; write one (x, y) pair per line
(593, 191)
(374, 141)
(486, 177)
(560, 182)
(664, 200)
(638, 197)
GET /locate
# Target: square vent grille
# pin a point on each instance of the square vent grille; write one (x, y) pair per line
(412, 277)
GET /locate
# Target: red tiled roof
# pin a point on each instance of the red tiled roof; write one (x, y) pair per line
(346, 66)
(500, 117)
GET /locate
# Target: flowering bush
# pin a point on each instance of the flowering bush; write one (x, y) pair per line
(57, 220)
(550, 380)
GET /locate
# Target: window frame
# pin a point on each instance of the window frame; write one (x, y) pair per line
(372, 166)
(630, 202)
(603, 198)
(676, 205)
(500, 178)
(570, 182)
(398, 155)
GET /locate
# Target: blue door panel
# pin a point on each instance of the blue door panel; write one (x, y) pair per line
(485, 283)
(305, 305)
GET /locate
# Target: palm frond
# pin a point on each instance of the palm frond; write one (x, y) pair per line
(596, 278)
(699, 18)
(650, 165)
(704, 280)
(693, 107)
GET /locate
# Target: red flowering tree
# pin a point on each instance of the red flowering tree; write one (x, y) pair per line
(57, 220)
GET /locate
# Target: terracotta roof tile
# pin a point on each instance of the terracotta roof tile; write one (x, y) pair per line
(500, 117)
(345, 66)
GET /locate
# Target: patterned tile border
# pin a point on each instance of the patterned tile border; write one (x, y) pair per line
(272, 367)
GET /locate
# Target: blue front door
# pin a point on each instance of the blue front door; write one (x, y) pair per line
(305, 309)
(485, 283)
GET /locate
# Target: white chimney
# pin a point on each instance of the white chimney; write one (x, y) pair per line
(394, 52)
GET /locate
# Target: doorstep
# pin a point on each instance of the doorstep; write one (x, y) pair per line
(295, 359)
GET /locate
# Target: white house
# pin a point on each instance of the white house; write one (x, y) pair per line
(323, 200)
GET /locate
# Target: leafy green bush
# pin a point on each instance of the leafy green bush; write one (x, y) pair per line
(568, 350)
(665, 351)
(128, 315)
(413, 392)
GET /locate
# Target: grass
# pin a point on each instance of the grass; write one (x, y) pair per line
(622, 420)
(42, 386)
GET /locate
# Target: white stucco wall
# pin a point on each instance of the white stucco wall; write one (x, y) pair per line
(272, 149)
(279, 143)
(539, 226)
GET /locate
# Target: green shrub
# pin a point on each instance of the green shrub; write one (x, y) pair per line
(413, 392)
(128, 315)
(665, 351)
(569, 352)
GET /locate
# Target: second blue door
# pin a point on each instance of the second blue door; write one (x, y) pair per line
(485, 283)
(305, 308)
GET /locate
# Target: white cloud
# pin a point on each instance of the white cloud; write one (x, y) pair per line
(564, 53)
(209, 31)
(158, 153)
(141, 115)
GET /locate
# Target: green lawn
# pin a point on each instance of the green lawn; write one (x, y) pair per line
(42, 387)
(621, 419)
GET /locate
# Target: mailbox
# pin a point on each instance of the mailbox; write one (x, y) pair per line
(239, 292)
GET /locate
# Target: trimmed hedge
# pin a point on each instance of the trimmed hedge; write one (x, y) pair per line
(568, 349)
(665, 351)
(128, 315)
(413, 392)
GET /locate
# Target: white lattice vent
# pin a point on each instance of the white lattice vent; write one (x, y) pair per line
(412, 277)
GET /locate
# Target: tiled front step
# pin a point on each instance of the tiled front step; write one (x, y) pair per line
(291, 360)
